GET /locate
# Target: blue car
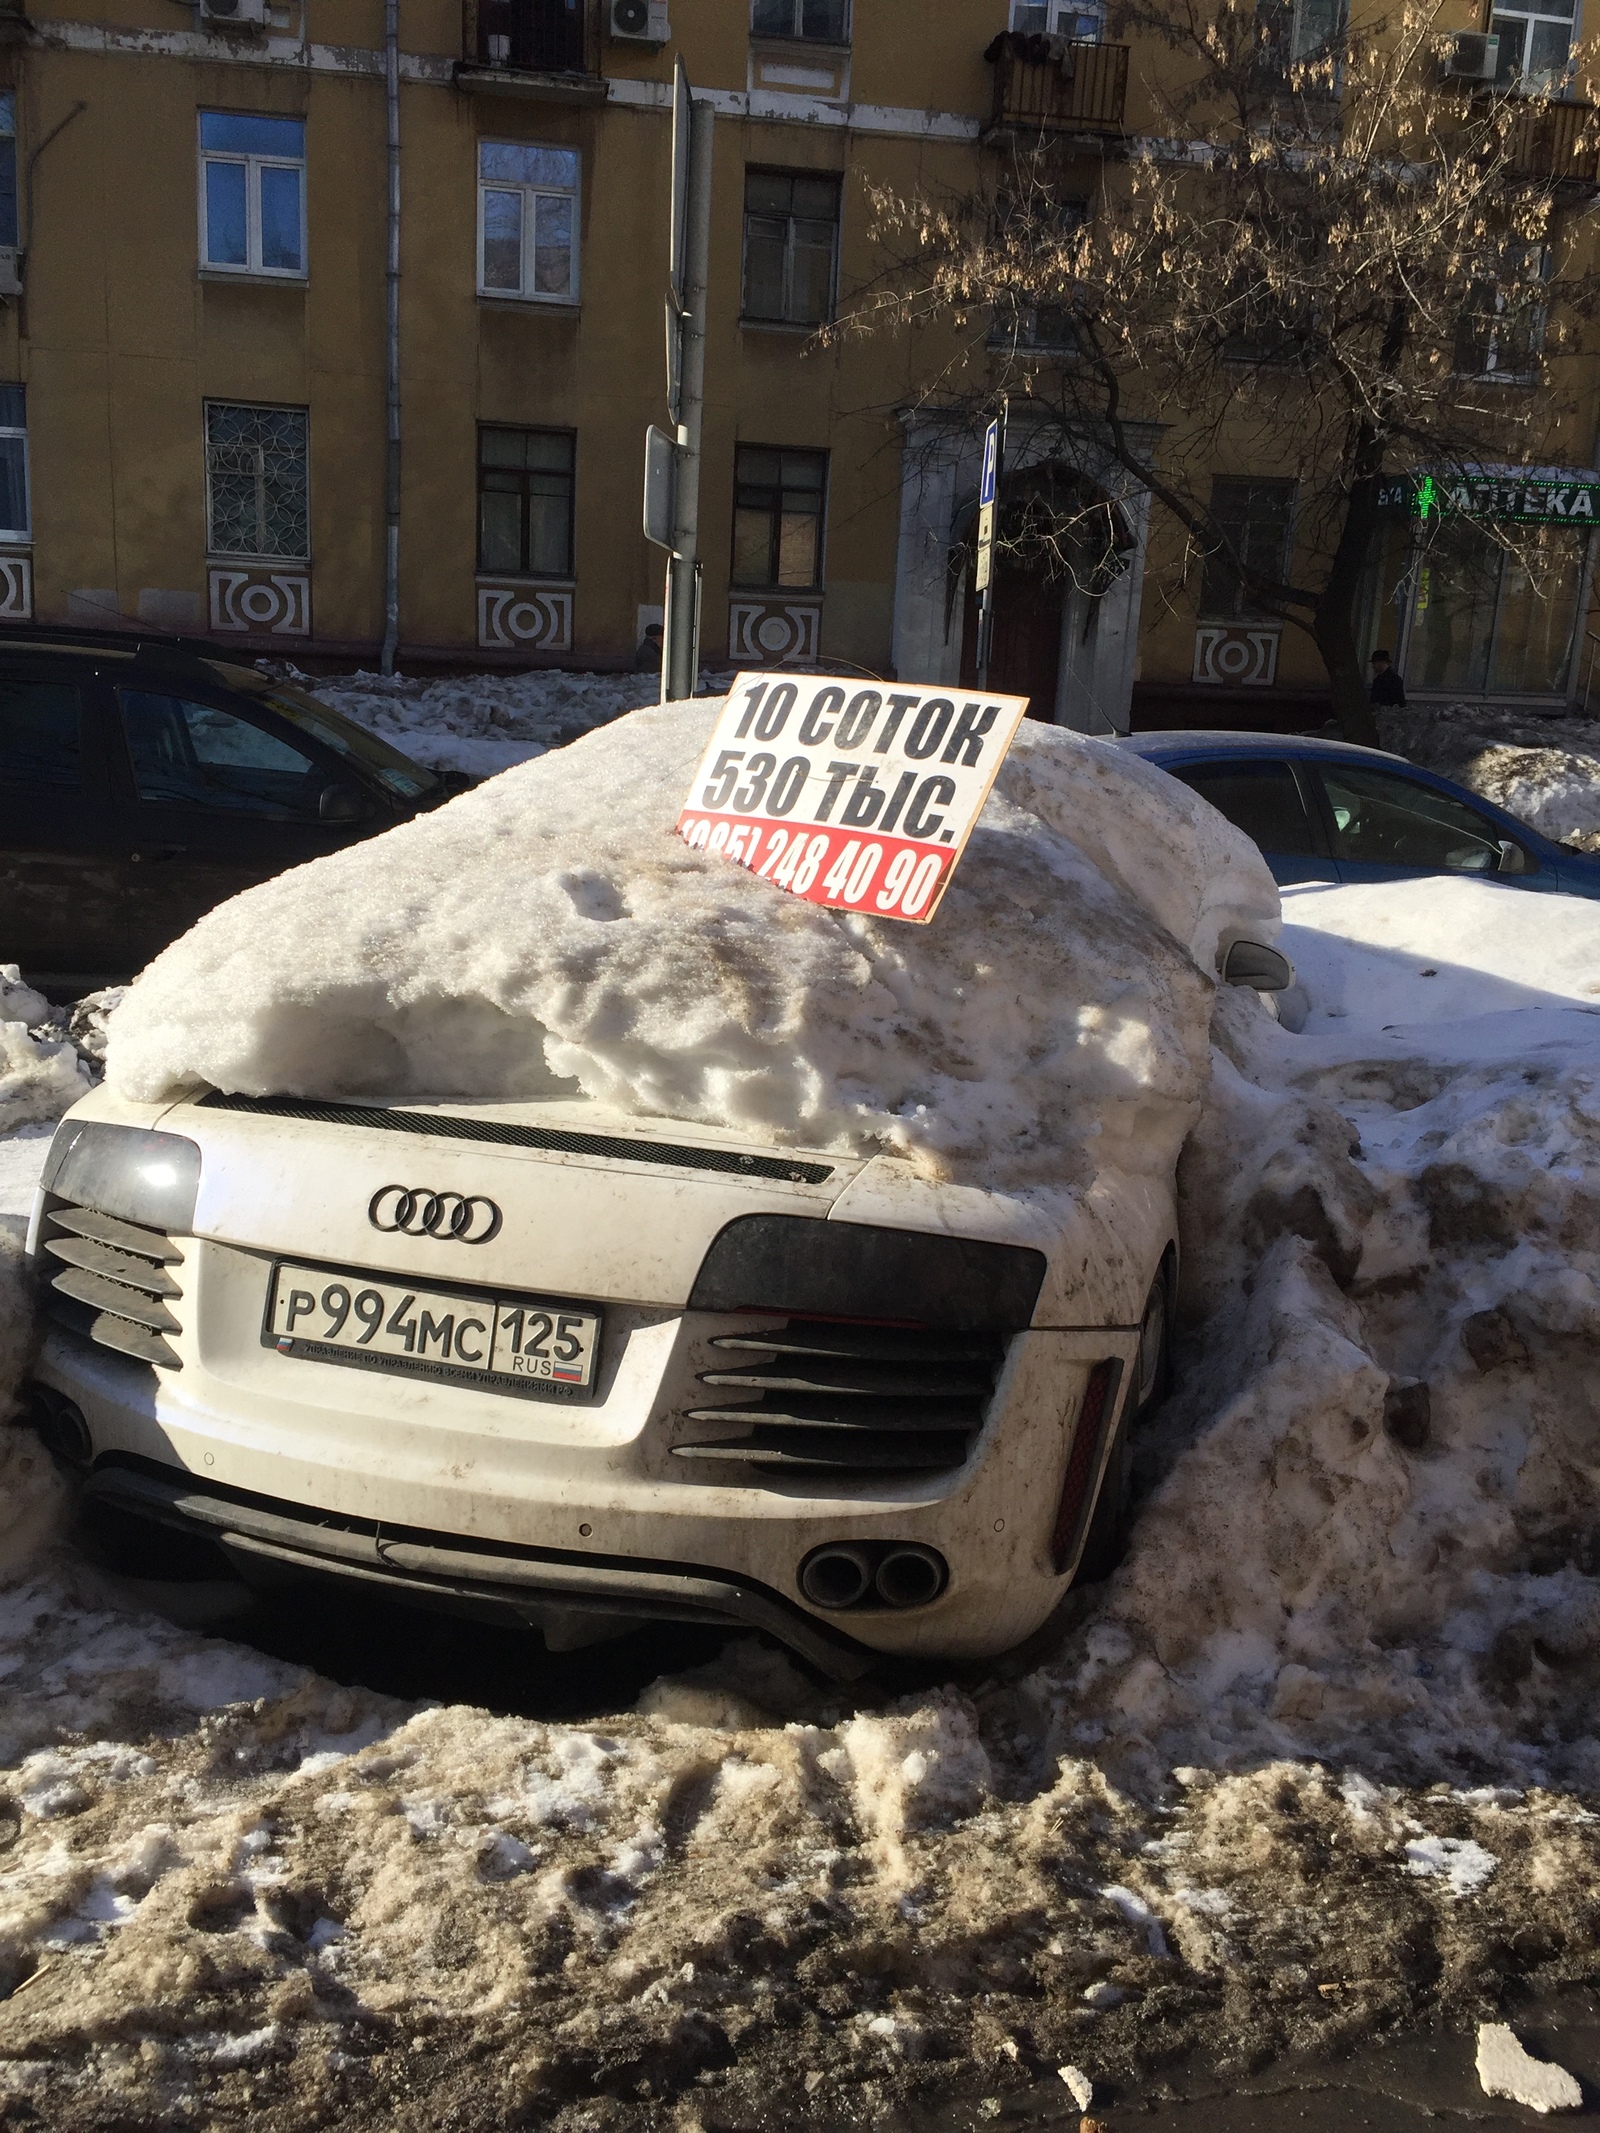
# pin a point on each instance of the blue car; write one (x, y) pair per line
(1325, 811)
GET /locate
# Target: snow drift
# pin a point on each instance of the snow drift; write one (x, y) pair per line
(549, 933)
(1373, 1535)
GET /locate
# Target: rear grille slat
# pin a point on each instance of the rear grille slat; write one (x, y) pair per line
(118, 1266)
(115, 1296)
(845, 1399)
(114, 1284)
(868, 1452)
(884, 1381)
(868, 1344)
(126, 1236)
(842, 1414)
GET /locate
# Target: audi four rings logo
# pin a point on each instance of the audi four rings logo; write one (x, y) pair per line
(416, 1212)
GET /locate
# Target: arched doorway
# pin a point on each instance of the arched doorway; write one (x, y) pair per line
(1062, 542)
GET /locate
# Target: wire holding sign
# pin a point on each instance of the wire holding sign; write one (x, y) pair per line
(861, 799)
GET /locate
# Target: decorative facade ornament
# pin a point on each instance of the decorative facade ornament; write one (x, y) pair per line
(1236, 654)
(524, 618)
(773, 633)
(260, 600)
(16, 586)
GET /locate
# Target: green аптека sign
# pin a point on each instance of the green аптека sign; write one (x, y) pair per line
(1541, 497)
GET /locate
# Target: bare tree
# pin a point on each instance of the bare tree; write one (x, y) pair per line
(1335, 266)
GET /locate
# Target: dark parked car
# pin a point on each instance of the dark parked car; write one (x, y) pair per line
(143, 780)
(1324, 811)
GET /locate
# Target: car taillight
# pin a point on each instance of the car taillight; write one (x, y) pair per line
(853, 1271)
(1094, 1417)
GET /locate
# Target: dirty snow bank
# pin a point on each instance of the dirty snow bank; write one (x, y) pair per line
(481, 723)
(550, 932)
(1373, 1532)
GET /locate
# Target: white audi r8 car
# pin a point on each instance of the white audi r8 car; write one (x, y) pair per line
(583, 1369)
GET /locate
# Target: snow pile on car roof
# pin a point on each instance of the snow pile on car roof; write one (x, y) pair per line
(549, 932)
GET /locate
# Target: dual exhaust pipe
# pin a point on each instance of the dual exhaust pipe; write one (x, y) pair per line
(845, 1574)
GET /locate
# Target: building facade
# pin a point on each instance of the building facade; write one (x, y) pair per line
(194, 244)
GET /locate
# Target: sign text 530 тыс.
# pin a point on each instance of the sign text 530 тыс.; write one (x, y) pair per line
(862, 798)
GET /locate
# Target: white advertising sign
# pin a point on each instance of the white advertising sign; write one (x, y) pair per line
(860, 797)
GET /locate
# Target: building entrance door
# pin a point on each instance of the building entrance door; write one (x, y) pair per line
(1025, 658)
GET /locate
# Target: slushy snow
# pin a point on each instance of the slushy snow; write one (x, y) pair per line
(549, 932)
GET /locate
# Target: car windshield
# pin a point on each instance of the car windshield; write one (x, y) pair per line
(408, 780)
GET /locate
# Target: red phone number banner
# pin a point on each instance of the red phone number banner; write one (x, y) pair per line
(858, 798)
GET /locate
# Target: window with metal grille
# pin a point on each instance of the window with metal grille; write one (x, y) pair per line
(1500, 333)
(791, 246)
(528, 222)
(525, 490)
(778, 503)
(258, 481)
(1255, 516)
(252, 194)
(826, 21)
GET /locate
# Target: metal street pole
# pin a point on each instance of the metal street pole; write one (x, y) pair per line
(680, 665)
(994, 449)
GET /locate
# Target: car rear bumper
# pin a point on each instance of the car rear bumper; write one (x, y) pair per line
(531, 1584)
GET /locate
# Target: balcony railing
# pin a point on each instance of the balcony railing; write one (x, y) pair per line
(1556, 142)
(527, 36)
(1048, 85)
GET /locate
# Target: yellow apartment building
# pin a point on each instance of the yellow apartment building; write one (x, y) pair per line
(194, 232)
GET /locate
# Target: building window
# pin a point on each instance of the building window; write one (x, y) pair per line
(252, 193)
(525, 489)
(257, 481)
(826, 21)
(528, 222)
(1535, 46)
(1080, 21)
(1256, 518)
(791, 241)
(1500, 333)
(15, 518)
(778, 503)
(8, 168)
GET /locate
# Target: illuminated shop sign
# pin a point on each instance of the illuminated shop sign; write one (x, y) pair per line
(1540, 497)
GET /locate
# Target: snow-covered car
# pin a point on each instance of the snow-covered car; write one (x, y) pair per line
(852, 1362)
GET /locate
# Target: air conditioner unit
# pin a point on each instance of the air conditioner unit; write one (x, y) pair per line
(1471, 56)
(235, 14)
(640, 21)
(10, 271)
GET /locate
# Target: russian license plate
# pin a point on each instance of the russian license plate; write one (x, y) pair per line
(519, 1344)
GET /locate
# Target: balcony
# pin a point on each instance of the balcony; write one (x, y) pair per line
(530, 48)
(1049, 85)
(1557, 144)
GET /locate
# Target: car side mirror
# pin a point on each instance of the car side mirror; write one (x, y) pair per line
(1262, 969)
(338, 804)
(1513, 859)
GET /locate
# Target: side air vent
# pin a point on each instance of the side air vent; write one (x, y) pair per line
(114, 1282)
(840, 1399)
